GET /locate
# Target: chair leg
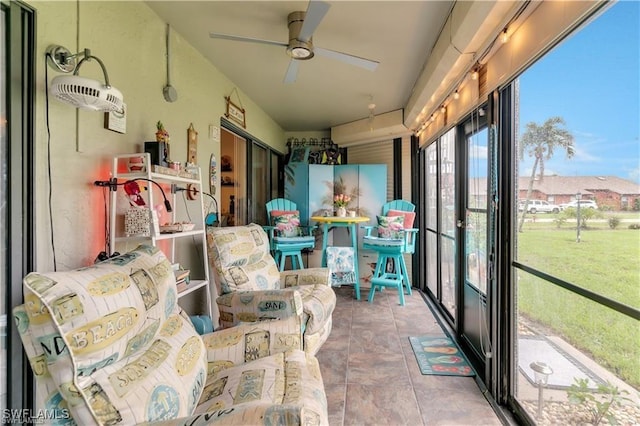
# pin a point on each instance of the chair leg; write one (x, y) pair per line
(283, 260)
(372, 293)
(381, 266)
(401, 293)
(405, 275)
(300, 263)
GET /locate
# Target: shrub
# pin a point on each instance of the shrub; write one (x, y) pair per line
(586, 214)
(597, 406)
(614, 221)
(634, 226)
(559, 221)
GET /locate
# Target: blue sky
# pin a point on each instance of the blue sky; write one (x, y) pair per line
(592, 80)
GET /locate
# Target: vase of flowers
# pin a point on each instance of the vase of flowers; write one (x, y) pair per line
(340, 202)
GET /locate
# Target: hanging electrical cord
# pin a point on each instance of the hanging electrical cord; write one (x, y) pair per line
(46, 114)
(212, 217)
(193, 237)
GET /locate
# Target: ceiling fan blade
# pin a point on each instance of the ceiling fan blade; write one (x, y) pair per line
(315, 13)
(367, 64)
(248, 39)
(292, 72)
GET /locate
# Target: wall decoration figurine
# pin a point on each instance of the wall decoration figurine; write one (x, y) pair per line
(161, 133)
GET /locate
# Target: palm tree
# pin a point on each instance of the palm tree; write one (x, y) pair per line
(540, 142)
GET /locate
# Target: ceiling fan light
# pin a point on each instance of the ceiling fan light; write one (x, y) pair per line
(299, 49)
(300, 53)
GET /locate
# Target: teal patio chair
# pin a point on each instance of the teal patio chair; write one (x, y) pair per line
(287, 236)
(391, 243)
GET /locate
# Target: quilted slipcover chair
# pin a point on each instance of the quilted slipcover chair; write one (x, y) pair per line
(251, 285)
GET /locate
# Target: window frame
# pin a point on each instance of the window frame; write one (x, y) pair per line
(20, 42)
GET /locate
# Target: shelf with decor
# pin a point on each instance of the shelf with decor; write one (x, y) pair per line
(134, 217)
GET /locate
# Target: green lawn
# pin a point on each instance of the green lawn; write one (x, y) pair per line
(605, 261)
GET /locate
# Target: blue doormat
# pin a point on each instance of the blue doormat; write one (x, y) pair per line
(439, 355)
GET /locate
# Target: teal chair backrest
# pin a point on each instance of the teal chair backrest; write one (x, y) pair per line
(401, 205)
(279, 204)
(405, 206)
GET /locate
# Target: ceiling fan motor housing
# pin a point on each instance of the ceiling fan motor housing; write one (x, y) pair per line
(298, 49)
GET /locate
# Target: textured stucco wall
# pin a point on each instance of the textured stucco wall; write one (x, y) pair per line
(130, 39)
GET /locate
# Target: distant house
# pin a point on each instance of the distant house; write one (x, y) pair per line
(607, 191)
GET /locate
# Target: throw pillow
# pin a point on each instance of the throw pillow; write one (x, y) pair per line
(409, 217)
(287, 225)
(390, 226)
(275, 213)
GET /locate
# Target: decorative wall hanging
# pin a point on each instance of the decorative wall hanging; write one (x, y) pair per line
(213, 174)
(192, 145)
(299, 154)
(235, 112)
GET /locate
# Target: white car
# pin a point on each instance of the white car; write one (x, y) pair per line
(535, 206)
(584, 204)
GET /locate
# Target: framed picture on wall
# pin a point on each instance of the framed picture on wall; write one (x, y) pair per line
(299, 154)
(225, 164)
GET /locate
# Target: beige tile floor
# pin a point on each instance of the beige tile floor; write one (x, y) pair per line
(371, 375)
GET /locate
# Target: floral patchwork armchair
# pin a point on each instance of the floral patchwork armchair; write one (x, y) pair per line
(252, 287)
(109, 345)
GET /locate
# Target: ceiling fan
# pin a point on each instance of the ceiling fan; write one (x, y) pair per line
(300, 46)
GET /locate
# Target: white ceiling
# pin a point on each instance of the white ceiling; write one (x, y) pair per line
(398, 34)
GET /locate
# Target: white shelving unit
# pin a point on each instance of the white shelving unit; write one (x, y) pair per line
(121, 172)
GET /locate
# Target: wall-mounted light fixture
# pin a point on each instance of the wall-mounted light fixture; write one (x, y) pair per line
(79, 91)
(456, 95)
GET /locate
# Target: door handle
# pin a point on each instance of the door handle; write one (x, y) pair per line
(460, 223)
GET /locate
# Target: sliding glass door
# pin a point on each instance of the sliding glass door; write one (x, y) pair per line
(439, 223)
(456, 205)
(251, 175)
(260, 175)
(474, 327)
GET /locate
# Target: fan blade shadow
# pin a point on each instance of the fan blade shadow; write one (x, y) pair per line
(315, 13)
(367, 64)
